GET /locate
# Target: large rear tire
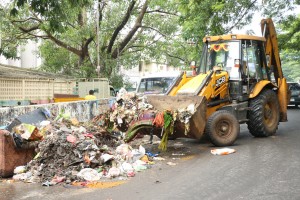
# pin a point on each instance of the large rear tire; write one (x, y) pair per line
(222, 128)
(264, 114)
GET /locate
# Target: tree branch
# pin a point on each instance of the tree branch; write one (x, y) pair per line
(38, 36)
(136, 46)
(177, 57)
(241, 17)
(28, 30)
(148, 27)
(25, 20)
(62, 44)
(161, 11)
(88, 41)
(120, 26)
(133, 40)
(153, 41)
(131, 33)
(138, 50)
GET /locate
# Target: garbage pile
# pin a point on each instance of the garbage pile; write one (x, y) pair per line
(69, 151)
(75, 153)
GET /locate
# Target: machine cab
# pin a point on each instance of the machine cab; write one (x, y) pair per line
(241, 56)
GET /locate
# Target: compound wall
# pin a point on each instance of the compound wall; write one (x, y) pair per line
(78, 109)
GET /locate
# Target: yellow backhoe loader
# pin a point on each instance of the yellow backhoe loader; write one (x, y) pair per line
(239, 80)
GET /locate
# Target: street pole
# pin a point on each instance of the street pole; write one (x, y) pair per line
(0, 35)
(97, 29)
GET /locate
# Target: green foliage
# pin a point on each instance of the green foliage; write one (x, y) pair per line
(69, 29)
(56, 59)
(9, 44)
(290, 65)
(170, 31)
(289, 39)
(212, 17)
(277, 8)
(290, 34)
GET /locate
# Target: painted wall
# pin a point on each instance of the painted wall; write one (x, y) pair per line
(77, 109)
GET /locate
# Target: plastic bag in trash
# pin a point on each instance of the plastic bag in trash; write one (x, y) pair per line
(114, 172)
(139, 165)
(223, 151)
(89, 174)
(126, 167)
(28, 132)
(20, 169)
(123, 149)
(106, 157)
(22, 176)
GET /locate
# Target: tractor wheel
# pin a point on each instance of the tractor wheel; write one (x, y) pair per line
(222, 128)
(264, 114)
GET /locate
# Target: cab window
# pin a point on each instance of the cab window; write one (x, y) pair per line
(252, 62)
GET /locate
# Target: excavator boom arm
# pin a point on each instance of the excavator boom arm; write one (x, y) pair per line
(271, 47)
(273, 59)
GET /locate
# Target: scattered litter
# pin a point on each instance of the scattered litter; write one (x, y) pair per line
(47, 183)
(178, 154)
(58, 179)
(89, 174)
(223, 151)
(127, 167)
(106, 157)
(20, 169)
(28, 132)
(22, 176)
(178, 144)
(114, 172)
(71, 138)
(159, 158)
(151, 154)
(171, 163)
(131, 174)
(69, 151)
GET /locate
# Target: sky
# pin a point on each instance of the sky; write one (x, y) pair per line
(255, 24)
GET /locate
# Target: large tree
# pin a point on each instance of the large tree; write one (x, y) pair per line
(216, 17)
(128, 31)
(169, 31)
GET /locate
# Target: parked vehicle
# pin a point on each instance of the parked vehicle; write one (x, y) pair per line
(156, 83)
(101, 88)
(295, 93)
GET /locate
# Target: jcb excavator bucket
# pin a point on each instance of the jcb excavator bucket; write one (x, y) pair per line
(197, 121)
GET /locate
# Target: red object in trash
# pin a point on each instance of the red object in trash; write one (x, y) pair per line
(10, 155)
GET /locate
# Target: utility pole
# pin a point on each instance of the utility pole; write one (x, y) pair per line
(97, 30)
(0, 34)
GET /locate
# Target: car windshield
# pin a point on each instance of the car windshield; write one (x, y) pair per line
(156, 85)
(294, 86)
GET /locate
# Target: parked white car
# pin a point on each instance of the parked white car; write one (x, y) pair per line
(156, 83)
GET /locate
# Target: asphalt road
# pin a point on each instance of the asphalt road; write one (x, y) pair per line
(261, 168)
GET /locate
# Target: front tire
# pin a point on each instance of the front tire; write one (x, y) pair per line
(264, 114)
(222, 128)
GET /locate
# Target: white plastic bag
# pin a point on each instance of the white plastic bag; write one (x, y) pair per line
(89, 174)
(223, 151)
(20, 169)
